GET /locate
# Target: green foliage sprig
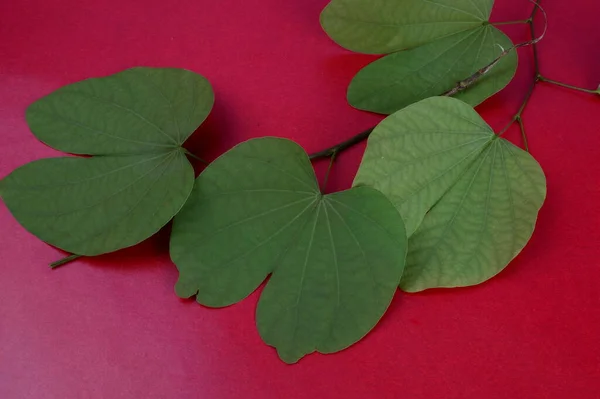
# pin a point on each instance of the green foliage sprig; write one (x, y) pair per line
(439, 200)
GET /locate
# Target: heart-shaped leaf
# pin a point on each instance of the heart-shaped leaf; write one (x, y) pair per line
(134, 122)
(336, 259)
(445, 42)
(469, 199)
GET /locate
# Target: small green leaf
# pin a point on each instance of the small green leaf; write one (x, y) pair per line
(386, 26)
(135, 122)
(336, 259)
(402, 78)
(469, 199)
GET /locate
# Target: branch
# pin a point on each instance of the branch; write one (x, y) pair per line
(336, 149)
(471, 80)
(536, 62)
(460, 86)
(518, 117)
(554, 82)
(523, 135)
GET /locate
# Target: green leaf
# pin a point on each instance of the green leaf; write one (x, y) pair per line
(386, 26)
(469, 199)
(445, 42)
(134, 122)
(336, 259)
(400, 79)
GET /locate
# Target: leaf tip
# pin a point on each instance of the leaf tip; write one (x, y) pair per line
(185, 289)
(288, 357)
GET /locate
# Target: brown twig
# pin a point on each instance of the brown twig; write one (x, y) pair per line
(336, 149)
(518, 117)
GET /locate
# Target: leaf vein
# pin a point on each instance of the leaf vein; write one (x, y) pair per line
(129, 110)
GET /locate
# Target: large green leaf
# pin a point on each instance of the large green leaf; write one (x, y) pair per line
(445, 42)
(386, 26)
(134, 122)
(336, 259)
(469, 199)
(402, 78)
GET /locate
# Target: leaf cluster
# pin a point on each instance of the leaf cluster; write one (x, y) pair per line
(439, 200)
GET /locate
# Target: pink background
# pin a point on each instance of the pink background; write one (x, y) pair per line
(111, 327)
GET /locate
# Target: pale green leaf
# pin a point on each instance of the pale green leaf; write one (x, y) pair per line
(336, 259)
(403, 78)
(134, 122)
(386, 26)
(468, 198)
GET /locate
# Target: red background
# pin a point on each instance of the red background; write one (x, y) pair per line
(111, 327)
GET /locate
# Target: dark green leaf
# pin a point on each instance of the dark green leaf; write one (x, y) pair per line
(135, 122)
(469, 199)
(336, 259)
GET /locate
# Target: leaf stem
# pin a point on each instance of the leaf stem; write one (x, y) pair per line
(331, 160)
(195, 156)
(536, 61)
(521, 21)
(336, 149)
(554, 82)
(523, 135)
(64, 260)
(518, 117)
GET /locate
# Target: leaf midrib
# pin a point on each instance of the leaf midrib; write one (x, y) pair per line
(166, 161)
(263, 242)
(475, 152)
(402, 25)
(129, 110)
(459, 207)
(402, 165)
(66, 184)
(398, 81)
(71, 121)
(478, 18)
(456, 61)
(124, 217)
(484, 224)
